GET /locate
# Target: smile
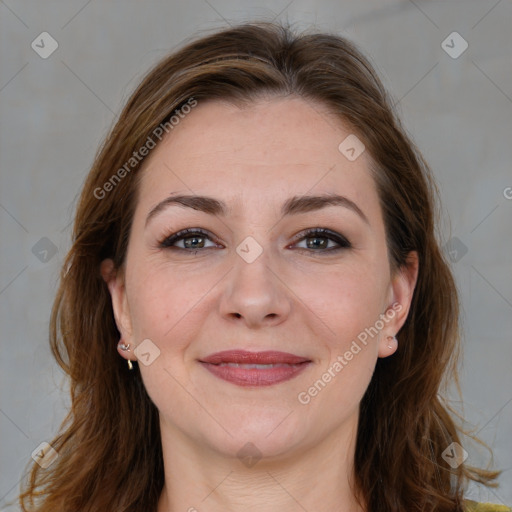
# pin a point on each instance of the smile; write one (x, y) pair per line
(256, 374)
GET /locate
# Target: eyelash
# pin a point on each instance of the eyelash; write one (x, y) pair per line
(343, 243)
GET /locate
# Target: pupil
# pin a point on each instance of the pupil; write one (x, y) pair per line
(193, 240)
(313, 245)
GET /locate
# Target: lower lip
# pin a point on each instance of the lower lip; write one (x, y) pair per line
(254, 376)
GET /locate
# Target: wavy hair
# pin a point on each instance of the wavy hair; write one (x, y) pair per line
(109, 447)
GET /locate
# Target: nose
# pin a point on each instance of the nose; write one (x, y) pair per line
(254, 294)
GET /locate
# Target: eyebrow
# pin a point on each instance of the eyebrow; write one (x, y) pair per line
(292, 206)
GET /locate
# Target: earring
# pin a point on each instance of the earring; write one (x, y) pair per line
(392, 342)
(122, 346)
(126, 348)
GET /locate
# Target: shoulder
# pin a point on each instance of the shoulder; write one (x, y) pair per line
(473, 506)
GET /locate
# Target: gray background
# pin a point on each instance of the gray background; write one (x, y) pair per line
(55, 111)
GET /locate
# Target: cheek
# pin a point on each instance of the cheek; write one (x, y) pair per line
(161, 299)
(348, 304)
(346, 300)
(164, 309)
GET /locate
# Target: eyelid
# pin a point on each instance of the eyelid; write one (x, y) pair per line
(166, 241)
(324, 233)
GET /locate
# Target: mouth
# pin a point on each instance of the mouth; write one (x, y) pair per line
(255, 368)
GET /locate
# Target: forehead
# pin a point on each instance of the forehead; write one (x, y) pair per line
(269, 148)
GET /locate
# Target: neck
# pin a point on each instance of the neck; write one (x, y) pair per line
(318, 478)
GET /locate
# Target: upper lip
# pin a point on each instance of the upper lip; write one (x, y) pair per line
(244, 357)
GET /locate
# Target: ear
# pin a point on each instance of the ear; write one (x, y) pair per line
(400, 298)
(116, 286)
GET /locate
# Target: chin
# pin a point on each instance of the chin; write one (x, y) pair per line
(264, 435)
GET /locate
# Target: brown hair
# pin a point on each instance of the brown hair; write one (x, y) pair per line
(110, 455)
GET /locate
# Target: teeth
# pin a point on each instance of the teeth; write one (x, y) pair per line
(255, 366)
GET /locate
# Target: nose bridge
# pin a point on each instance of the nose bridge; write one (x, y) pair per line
(253, 266)
(253, 290)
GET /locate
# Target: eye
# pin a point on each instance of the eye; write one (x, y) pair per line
(317, 240)
(192, 238)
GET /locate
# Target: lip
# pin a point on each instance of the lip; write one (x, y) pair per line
(232, 366)
(244, 357)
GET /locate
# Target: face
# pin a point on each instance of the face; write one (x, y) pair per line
(252, 278)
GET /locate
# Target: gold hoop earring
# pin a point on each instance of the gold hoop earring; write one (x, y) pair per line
(126, 348)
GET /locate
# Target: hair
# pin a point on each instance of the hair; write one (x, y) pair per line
(109, 447)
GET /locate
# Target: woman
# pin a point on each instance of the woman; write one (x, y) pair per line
(256, 237)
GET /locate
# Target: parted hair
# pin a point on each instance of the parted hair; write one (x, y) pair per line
(109, 446)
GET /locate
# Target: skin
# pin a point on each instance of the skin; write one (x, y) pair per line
(291, 299)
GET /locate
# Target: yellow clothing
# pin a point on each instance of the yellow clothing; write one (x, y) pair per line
(473, 506)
